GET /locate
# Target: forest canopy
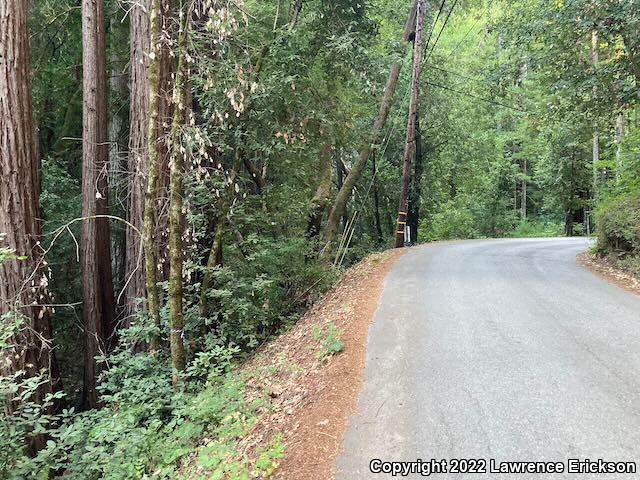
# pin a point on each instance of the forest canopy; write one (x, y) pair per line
(182, 179)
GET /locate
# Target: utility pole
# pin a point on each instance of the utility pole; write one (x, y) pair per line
(410, 142)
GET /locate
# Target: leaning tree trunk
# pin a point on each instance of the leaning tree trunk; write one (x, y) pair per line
(23, 282)
(340, 202)
(98, 299)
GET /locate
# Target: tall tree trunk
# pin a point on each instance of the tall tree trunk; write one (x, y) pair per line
(176, 219)
(23, 282)
(410, 142)
(415, 190)
(166, 78)
(151, 70)
(321, 198)
(150, 199)
(118, 140)
(138, 159)
(523, 193)
(98, 299)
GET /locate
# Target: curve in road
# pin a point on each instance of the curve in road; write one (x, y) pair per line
(498, 349)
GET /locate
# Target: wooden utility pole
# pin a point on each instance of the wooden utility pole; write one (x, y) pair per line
(410, 142)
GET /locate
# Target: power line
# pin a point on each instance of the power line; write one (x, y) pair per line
(435, 22)
(444, 25)
(455, 48)
(477, 97)
(451, 72)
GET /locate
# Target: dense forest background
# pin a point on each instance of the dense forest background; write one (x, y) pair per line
(182, 179)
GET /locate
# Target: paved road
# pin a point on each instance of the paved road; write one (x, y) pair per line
(503, 349)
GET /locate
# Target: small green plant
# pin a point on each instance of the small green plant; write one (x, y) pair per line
(331, 343)
(267, 462)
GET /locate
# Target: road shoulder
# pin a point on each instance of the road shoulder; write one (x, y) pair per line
(605, 269)
(313, 394)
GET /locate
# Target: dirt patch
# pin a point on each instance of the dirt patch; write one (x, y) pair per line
(313, 393)
(603, 267)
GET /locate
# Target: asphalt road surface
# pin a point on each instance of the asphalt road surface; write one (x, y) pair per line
(498, 349)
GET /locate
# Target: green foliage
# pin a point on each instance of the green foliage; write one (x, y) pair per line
(619, 225)
(453, 221)
(330, 341)
(538, 228)
(30, 415)
(144, 428)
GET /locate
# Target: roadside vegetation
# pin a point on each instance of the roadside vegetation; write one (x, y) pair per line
(179, 187)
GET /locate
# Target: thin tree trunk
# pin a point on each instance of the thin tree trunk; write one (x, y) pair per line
(176, 218)
(410, 142)
(98, 299)
(320, 200)
(523, 199)
(620, 128)
(23, 283)
(215, 253)
(148, 232)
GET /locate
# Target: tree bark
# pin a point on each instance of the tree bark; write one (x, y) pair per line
(23, 282)
(140, 144)
(176, 218)
(150, 198)
(410, 142)
(138, 158)
(98, 299)
(320, 200)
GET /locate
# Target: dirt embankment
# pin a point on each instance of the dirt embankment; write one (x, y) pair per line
(313, 394)
(603, 267)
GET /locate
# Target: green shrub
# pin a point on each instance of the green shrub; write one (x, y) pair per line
(618, 222)
(538, 228)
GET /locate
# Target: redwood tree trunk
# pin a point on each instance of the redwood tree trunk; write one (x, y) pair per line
(138, 126)
(98, 299)
(23, 292)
